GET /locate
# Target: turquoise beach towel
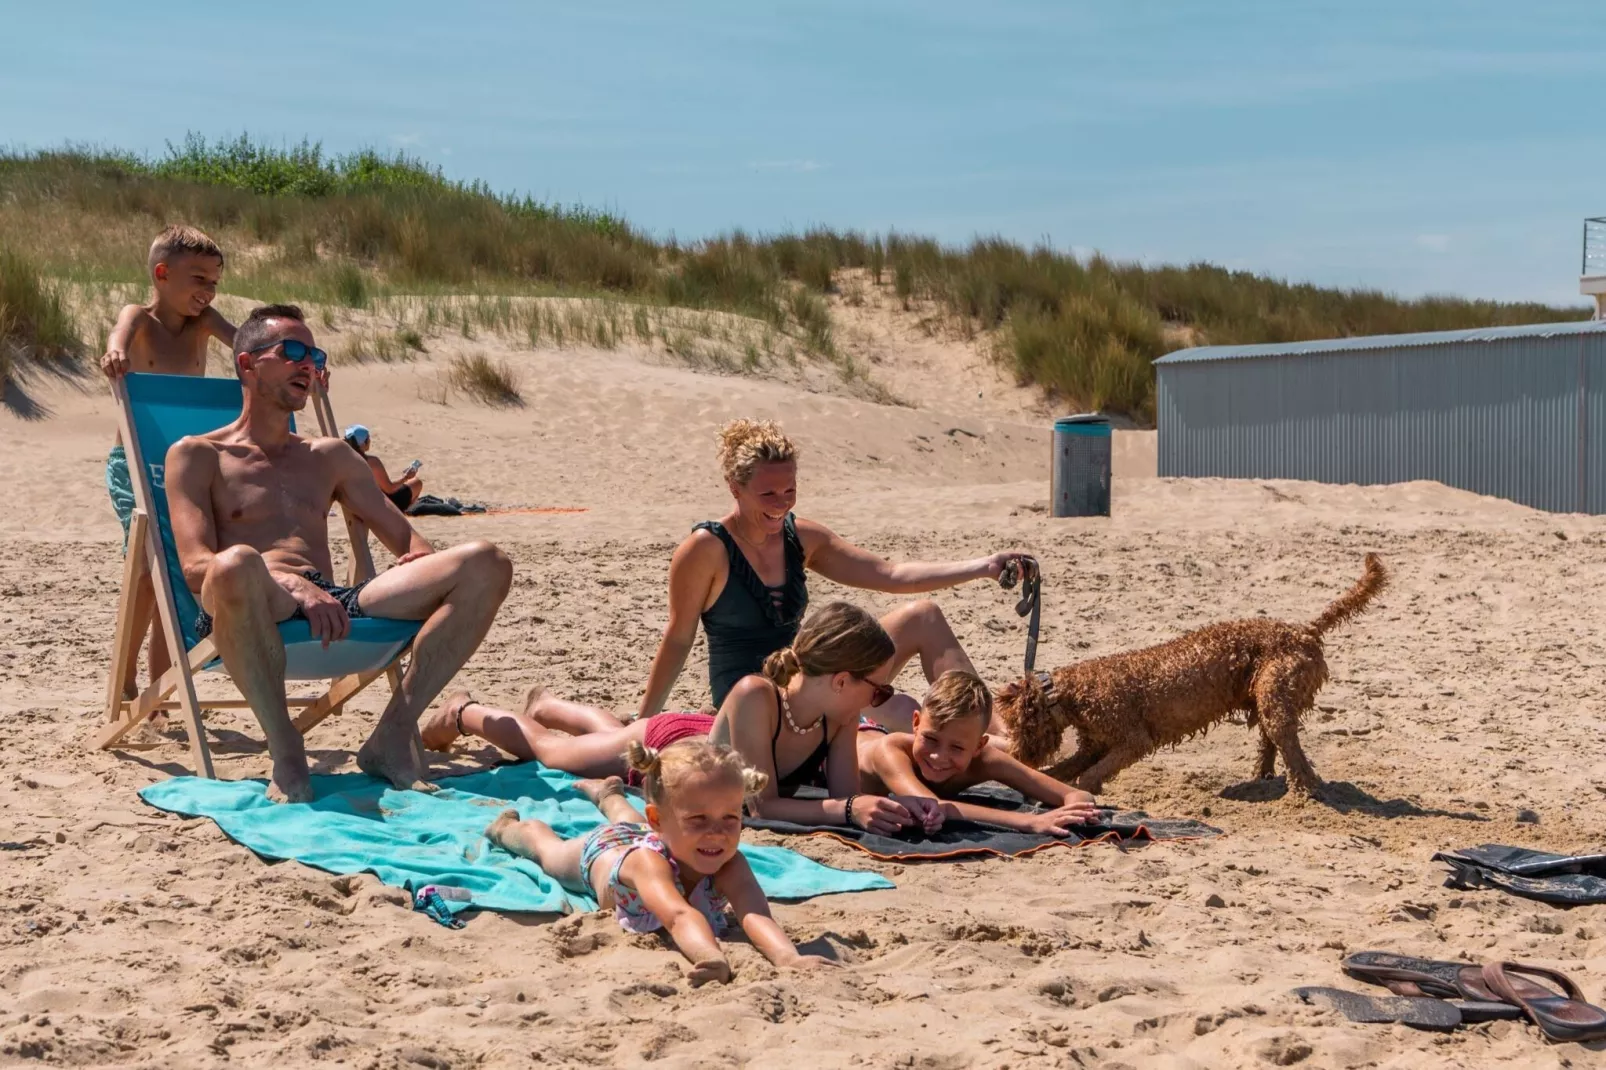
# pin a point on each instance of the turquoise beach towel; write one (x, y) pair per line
(408, 839)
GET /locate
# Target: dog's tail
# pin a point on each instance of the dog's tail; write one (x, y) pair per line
(1353, 601)
(1034, 734)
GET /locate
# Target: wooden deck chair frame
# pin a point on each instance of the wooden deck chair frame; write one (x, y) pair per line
(144, 556)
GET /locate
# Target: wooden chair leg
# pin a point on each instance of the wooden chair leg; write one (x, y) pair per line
(185, 662)
(125, 642)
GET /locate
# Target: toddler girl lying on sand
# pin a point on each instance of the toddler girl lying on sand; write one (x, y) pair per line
(677, 867)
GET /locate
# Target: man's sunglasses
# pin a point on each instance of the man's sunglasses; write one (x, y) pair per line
(296, 352)
(882, 691)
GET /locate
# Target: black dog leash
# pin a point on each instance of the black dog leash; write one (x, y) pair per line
(1029, 574)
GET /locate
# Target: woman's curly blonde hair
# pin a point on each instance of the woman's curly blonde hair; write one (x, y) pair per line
(746, 444)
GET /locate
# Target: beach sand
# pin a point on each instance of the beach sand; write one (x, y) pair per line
(1470, 694)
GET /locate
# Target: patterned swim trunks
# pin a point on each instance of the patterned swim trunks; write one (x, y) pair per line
(346, 596)
(121, 488)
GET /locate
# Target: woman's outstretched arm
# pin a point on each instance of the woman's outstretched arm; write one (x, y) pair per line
(837, 559)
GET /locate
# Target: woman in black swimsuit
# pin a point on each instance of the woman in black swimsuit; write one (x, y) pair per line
(744, 577)
(796, 722)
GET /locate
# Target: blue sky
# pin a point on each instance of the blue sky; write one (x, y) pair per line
(1419, 147)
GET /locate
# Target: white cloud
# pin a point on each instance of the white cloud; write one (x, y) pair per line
(407, 140)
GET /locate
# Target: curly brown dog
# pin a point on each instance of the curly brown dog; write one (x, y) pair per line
(1127, 706)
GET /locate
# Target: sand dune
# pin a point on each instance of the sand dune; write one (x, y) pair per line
(1471, 693)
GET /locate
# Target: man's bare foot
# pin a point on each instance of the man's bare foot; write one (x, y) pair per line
(440, 727)
(600, 788)
(391, 760)
(532, 698)
(498, 828)
(290, 783)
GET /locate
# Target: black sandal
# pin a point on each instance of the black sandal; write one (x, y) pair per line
(1419, 1012)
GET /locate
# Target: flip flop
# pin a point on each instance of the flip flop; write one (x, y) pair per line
(1559, 1016)
(1407, 976)
(1419, 1012)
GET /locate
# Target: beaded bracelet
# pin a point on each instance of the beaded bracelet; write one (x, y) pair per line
(847, 811)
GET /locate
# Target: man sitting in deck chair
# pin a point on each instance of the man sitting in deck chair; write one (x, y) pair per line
(249, 505)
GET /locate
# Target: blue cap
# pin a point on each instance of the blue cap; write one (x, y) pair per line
(357, 435)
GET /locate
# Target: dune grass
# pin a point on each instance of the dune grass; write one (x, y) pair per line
(493, 382)
(35, 323)
(356, 230)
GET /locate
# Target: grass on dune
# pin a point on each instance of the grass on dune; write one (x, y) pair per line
(356, 230)
(493, 382)
(35, 323)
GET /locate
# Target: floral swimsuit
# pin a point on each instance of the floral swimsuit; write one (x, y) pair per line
(631, 913)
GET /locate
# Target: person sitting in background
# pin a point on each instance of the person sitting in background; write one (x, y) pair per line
(404, 491)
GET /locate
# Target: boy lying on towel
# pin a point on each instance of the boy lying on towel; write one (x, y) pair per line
(947, 752)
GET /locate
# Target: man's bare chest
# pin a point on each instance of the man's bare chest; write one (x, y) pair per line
(254, 492)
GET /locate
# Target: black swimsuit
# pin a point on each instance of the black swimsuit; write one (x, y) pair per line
(749, 621)
(810, 774)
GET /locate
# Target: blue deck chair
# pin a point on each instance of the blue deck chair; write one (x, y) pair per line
(154, 412)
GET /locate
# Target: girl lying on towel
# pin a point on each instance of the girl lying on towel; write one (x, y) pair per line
(674, 868)
(796, 722)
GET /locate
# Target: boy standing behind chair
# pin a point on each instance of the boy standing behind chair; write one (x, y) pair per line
(167, 336)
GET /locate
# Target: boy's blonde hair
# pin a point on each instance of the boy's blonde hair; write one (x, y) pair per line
(178, 239)
(663, 770)
(837, 637)
(955, 695)
(746, 444)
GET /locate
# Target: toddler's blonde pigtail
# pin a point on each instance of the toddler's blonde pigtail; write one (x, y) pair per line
(643, 759)
(753, 781)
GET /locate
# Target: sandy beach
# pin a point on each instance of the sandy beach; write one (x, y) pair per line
(1463, 709)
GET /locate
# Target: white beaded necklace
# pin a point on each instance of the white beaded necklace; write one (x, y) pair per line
(786, 712)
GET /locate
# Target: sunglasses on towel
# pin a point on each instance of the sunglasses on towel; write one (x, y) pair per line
(882, 691)
(296, 351)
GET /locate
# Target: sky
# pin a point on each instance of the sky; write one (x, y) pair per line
(1413, 146)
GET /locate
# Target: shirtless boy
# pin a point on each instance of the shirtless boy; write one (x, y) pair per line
(250, 506)
(168, 336)
(947, 752)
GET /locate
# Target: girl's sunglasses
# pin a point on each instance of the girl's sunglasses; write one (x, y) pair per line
(297, 351)
(882, 691)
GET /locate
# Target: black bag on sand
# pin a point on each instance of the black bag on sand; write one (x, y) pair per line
(430, 505)
(1564, 880)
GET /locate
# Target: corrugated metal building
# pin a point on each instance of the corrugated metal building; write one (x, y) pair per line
(1515, 412)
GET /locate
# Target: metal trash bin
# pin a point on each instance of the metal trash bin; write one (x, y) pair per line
(1081, 481)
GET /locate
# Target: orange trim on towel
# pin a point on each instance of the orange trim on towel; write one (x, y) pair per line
(545, 511)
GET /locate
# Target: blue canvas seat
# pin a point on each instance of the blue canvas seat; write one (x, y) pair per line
(156, 411)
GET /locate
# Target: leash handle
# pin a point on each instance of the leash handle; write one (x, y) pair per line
(1034, 594)
(1029, 574)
